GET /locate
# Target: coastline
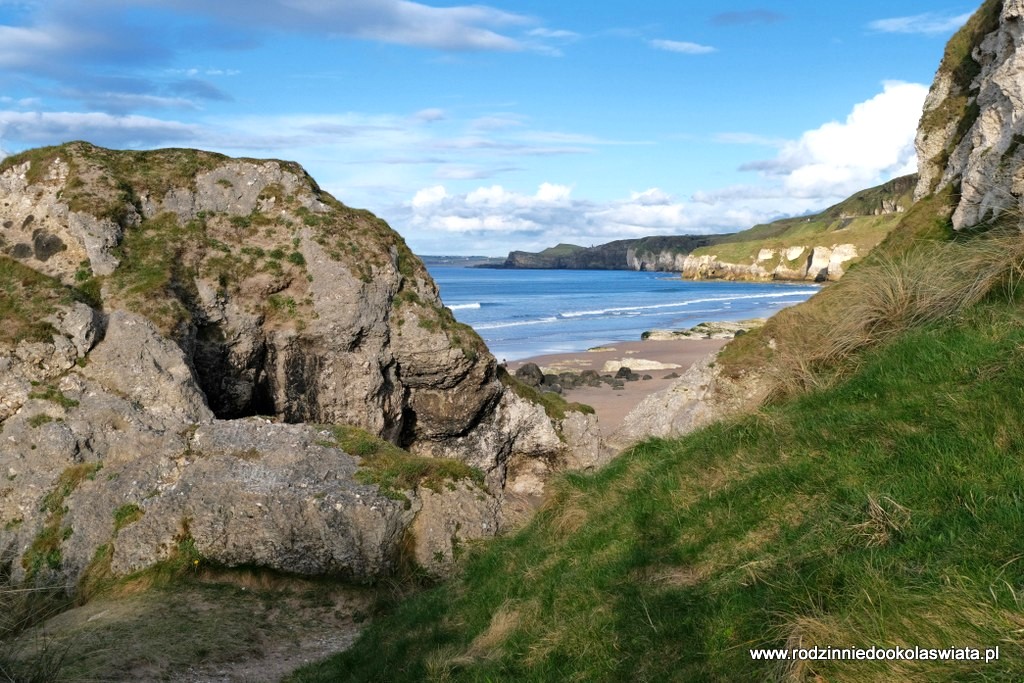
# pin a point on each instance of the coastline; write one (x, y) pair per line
(667, 359)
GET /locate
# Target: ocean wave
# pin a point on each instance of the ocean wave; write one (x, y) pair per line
(498, 326)
(462, 307)
(725, 300)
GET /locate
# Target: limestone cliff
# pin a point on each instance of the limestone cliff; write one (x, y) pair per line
(179, 327)
(972, 128)
(814, 248)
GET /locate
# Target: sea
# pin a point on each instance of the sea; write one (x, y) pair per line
(523, 313)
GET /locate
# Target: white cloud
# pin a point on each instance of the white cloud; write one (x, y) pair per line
(120, 102)
(553, 34)
(95, 46)
(929, 23)
(504, 219)
(495, 195)
(466, 172)
(193, 72)
(20, 47)
(459, 27)
(429, 196)
(25, 102)
(874, 143)
(498, 122)
(430, 115)
(683, 47)
(547, 192)
(100, 128)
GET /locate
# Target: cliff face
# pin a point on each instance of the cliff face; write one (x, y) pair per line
(971, 130)
(648, 253)
(812, 248)
(155, 304)
(815, 264)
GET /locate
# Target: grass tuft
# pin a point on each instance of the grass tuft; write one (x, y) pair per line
(129, 513)
(45, 550)
(881, 299)
(394, 470)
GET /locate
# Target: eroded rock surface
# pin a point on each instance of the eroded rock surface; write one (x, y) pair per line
(812, 263)
(971, 130)
(186, 324)
(699, 397)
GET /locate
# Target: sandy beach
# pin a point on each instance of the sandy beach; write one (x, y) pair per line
(659, 359)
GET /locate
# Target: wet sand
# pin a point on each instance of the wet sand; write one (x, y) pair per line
(612, 405)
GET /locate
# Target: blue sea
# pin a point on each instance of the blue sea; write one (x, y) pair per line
(522, 313)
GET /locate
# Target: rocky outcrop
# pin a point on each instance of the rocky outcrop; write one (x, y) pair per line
(666, 261)
(699, 397)
(971, 130)
(182, 326)
(816, 264)
(708, 330)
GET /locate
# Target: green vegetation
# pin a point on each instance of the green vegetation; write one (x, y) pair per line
(857, 221)
(875, 502)
(45, 549)
(907, 281)
(151, 626)
(39, 420)
(395, 470)
(22, 607)
(26, 298)
(160, 259)
(440, 319)
(886, 511)
(561, 250)
(158, 264)
(133, 174)
(959, 107)
(55, 395)
(129, 513)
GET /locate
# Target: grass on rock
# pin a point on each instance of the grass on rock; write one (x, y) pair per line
(395, 470)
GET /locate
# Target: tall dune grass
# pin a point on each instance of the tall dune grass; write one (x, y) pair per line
(885, 297)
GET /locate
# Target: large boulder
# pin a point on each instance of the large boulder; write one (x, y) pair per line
(183, 326)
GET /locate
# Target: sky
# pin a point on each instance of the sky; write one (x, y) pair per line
(482, 128)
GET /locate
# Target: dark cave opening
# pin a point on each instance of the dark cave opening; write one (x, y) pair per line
(235, 385)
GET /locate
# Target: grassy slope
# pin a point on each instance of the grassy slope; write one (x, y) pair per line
(561, 250)
(849, 222)
(26, 298)
(887, 511)
(884, 510)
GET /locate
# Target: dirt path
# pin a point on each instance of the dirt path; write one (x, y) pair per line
(247, 630)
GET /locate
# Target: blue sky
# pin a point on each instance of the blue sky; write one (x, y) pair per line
(480, 128)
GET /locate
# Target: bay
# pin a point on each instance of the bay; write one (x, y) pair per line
(522, 313)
